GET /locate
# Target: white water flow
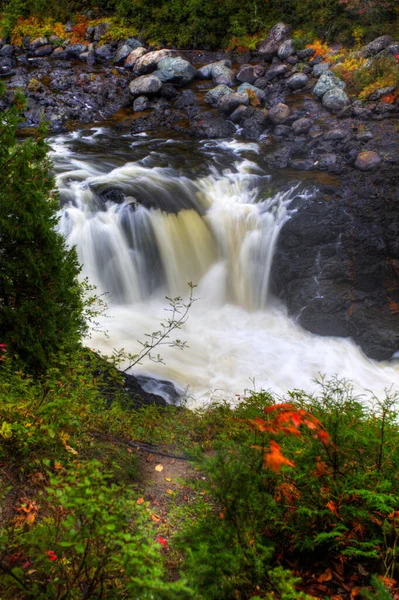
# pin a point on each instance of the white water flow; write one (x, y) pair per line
(144, 231)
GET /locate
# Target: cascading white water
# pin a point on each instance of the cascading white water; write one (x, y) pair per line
(143, 231)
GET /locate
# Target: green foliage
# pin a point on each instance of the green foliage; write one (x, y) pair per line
(41, 300)
(92, 540)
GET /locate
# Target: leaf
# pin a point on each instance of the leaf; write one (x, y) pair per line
(168, 479)
(162, 541)
(331, 506)
(275, 459)
(155, 518)
(326, 576)
(70, 449)
(139, 500)
(159, 468)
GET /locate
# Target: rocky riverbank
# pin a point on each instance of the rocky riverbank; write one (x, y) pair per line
(337, 259)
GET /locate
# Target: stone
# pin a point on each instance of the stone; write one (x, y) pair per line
(327, 161)
(134, 43)
(134, 56)
(44, 50)
(335, 134)
(141, 104)
(367, 161)
(249, 73)
(104, 52)
(91, 57)
(276, 36)
(282, 131)
(42, 41)
(122, 53)
(205, 72)
(276, 71)
(279, 114)
(297, 81)
(222, 75)
(175, 70)
(215, 94)
(238, 114)
(247, 88)
(169, 91)
(229, 102)
(321, 68)
(209, 126)
(364, 136)
(286, 49)
(100, 30)
(145, 85)
(327, 82)
(376, 46)
(380, 93)
(306, 53)
(335, 100)
(302, 126)
(292, 60)
(75, 50)
(149, 62)
(302, 164)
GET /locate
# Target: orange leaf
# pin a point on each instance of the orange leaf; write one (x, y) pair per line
(270, 409)
(326, 576)
(140, 500)
(330, 505)
(275, 459)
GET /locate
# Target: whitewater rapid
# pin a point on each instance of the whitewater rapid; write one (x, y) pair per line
(149, 216)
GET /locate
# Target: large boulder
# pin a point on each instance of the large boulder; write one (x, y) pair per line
(145, 85)
(222, 75)
(279, 113)
(335, 99)
(134, 56)
(327, 82)
(149, 62)
(215, 94)
(175, 70)
(298, 81)
(276, 36)
(376, 46)
(367, 161)
(205, 72)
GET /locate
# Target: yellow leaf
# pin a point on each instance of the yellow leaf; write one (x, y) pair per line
(168, 479)
(155, 518)
(70, 449)
(159, 468)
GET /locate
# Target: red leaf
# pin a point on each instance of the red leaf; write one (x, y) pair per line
(275, 458)
(162, 541)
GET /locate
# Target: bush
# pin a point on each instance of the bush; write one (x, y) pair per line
(41, 300)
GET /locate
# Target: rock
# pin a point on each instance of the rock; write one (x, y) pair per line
(276, 71)
(141, 104)
(279, 113)
(175, 70)
(75, 50)
(327, 161)
(91, 57)
(145, 85)
(249, 73)
(134, 56)
(302, 164)
(222, 74)
(254, 124)
(251, 90)
(149, 62)
(335, 99)
(134, 43)
(361, 113)
(215, 94)
(306, 53)
(314, 62)
(60, 53)
(169, 91)
(229, 102)
(301, 126)
(335, 134)
(89, 33)
(327, 82)
(100, 30)
(69, 25)
(122, 53)
(381, 92)
(364, 136)
(44, 50)
(276, 36)
(282, 131)
(292, 60)
(297, 81)
(104, 52)
(238, 114)
(286, 49)
(321, 68)
(393, 49)
(42, 41)
(376, 46)
(367, 161)
(209, 126)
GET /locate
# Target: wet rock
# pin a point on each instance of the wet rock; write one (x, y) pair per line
(44, 50)
(149, 62)
(335, 134)
(141, 104)
(145, 85)
(279, 114)
(276, 36)
(302, 126)
(276, 71)
(175, 70)
(238, 114)
(286, 49)
(214, 95)
(229, 102)
(306, 53)
(134, 56)
(249, 73)
(367, 161)
(251, 90)
(262, 83)
(321, 68)
(327, 82)
(326, 161)
(376, 46)
(283, 131)
(104, 52)
(208, 126)
(297, 81)
(335, 99)
(122, 53)
(254, 124)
